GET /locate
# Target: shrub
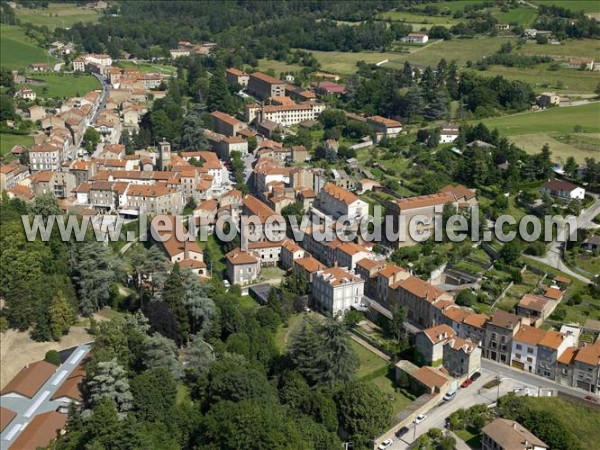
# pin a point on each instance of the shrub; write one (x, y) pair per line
(52, 357)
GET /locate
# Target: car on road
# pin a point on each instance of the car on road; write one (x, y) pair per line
(385, 444)
(401, 432)
(420, 418)
(475, 376)
(449, 396)
(465, 384)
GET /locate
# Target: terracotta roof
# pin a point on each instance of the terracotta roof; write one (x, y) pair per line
(41, 431)
(350, 248)
(561, 279)
(429, 377)
(559, 185)
(337, 276)
(385, 121)
(421, 289)
(460, 344)
(589, 354)
(208, 205)
(530, 335)
(369, 264)
(291, 246)
(22, 192)
(511, 435)
(459, 191)
(439, 333)
(504, 319)
(476, 320)
(552, 339)
(6, 417)
(295, 107)
(309, 264)
(71, 387)
(172, 245)
(568, 356)
(192, 264)
(225, 118)
(533, 302)
(238, 256)
(553, 293)
(423, 201)
(391, 270)
(266, 78)
(155, 190)
(258, 208)
(30, 379)
(264, 244)
(456, 314)
(340, 193)
(236, 72)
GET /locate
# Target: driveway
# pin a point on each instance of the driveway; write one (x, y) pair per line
(553, 257)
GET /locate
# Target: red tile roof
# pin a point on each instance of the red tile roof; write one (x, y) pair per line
(30, 379)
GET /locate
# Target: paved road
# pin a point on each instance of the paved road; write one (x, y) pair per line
(553, 256)
(27, 409)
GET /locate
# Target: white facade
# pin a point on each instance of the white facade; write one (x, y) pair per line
(525, 354)
(337, 290)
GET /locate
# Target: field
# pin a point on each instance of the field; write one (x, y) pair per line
(589, 6)
(588, 48)
(63, 85)
(532, 130)
(522, 16)
(461, 50)
(57, 15)
(277, 66)
(555, 120)
(8, 141)
(419, 21)
(564, 81)
(17, 51)
(147, 67)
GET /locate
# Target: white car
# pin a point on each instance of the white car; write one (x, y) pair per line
(420, 418)
(385, 444)
(449, 396)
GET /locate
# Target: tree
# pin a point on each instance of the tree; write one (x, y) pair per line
(45, 205)
(154, 393)
(570, 167)
(511, 252)
(364, 410)
(161, 353)
(465, 298)
(333, 118)
(219, 98)
(91, 138)
(235, 382)
(322, 353)
(398, 328)
(52, 357)
(197, 355)
(109, 380)
(174, 294)
(201, 308)
(96, 268)
(61, 315)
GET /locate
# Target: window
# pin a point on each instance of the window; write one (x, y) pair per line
(518, 355)
(519, 346)
(529, 350)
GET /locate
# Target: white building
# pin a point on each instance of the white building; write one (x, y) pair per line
(384, 127)
(563, 189)
(337, 202)
(285, 115)
(449, 134)
(336, 290)
(416, 38)
(525, 348)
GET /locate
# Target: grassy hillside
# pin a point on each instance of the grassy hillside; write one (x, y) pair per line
(57, 15)
(589, 6)
(17, 51)
(557, 128)
(63, 85)
(8, 141)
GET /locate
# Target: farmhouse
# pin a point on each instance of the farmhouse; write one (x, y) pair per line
(384, 127)
(449, 133)
(504, 434)
(416, 38)
(563, 189)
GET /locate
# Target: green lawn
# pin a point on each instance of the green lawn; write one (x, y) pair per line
(284, 333)
(456, 5)
(589, 6)
(369, 361)
(572, 47)
(147, 67)
(398, 400)
(419, 21)
(523, 16)
(8, 141)
(564, 80)
(532, 143)
(472, 440)
(57, 15)
(277, 66)
(561, 120)
(215, 254)
(247, 302)
(58, 85)
(17, 51)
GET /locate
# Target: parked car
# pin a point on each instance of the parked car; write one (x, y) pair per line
(591, 398)
(449, 396)
(465, 384)
(401, 432)
(385, 444)
(420, 418)
(475, 376)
